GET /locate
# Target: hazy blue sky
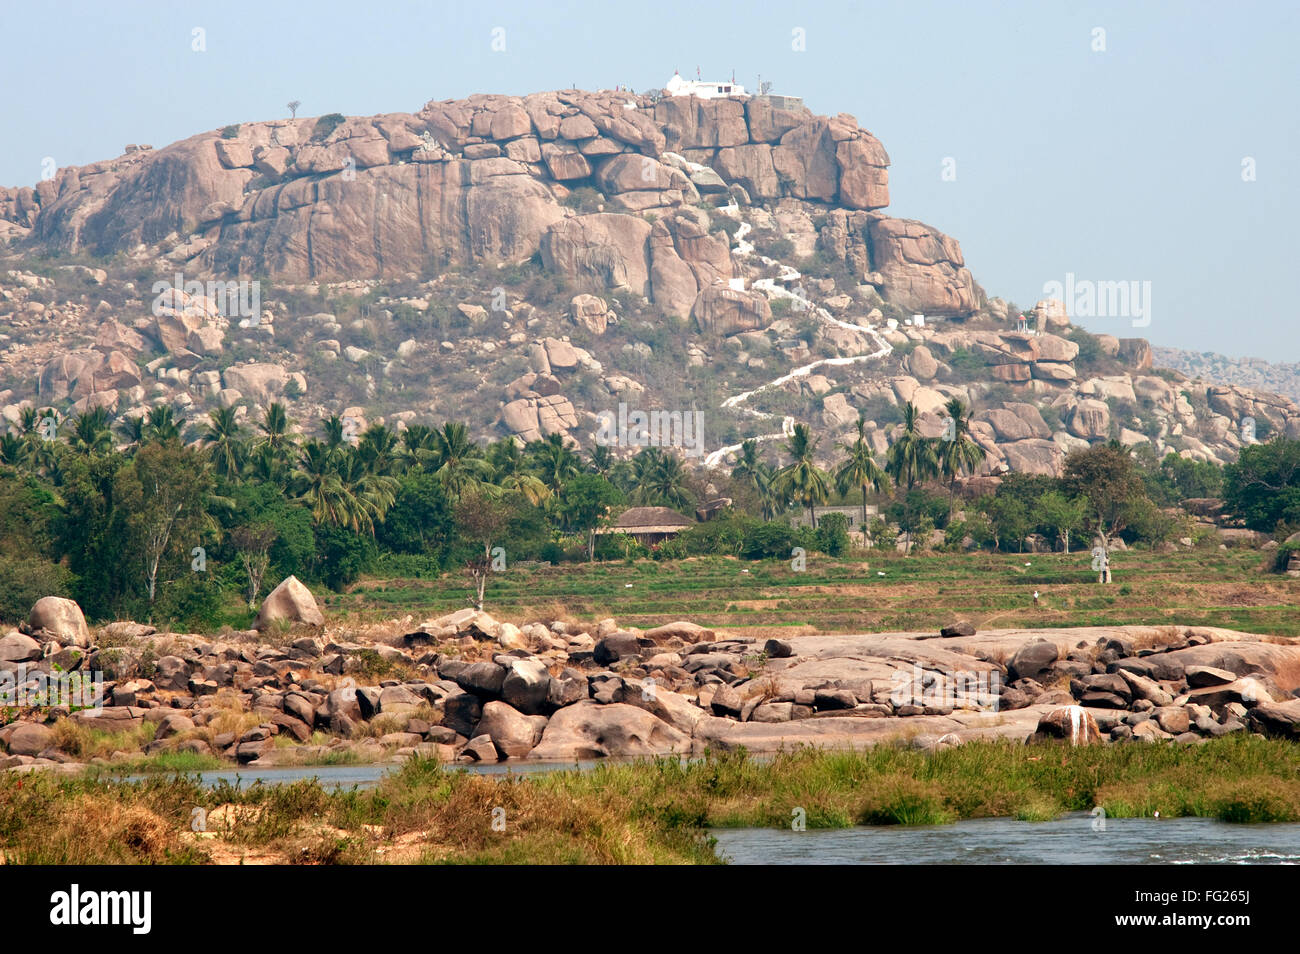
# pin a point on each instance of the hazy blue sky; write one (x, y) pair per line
(1115, 165)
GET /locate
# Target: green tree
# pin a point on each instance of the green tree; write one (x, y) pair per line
(1262, 487)
(957, 454)
(585, 504)
(90, 433)
(1062, 514)
(460, 462)
(225, 443)
(166, 490)
(553, 461)
(859, 471)
(481, 520)
(1105, 476)
(801, 479)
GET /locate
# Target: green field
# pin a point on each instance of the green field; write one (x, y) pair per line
(1210, 587)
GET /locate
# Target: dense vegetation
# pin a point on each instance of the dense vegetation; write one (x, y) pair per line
(152, 526)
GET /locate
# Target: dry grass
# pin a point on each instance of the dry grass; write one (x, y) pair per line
(85, 743)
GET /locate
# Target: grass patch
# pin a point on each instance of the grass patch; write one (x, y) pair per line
(646, 812)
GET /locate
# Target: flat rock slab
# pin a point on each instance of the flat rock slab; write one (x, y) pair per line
(843, 732)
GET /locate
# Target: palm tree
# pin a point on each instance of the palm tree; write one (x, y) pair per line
(90, 433)
(316, 483)
(418, 446)
(505, 458)
(749, 465)
(772, 500)
(275, 430)
(802, 479)
(912, 459)
(660, 479)
(160, 425)
(957, 454)
(13, 450)
(601, 461)
(640, 478)
(374, 493)
(225, 442)
(339, 490)
(131, 428)
(333, 426)
(860, 470)
(377, 449)
(28, 420)
(460, 461)
(554, 461)
(268, 467)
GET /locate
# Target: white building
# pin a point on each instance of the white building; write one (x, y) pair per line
(703, 89)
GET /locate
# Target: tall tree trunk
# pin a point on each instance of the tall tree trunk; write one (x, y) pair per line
(864, 512)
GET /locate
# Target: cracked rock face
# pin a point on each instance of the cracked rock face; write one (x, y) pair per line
(475, 180)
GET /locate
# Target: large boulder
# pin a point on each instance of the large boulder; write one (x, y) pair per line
(590, 312)
(1032, 661)
(61, 620)
(1073, 723)
(1280, 719)
(1089, 419)
(292, 602)
(922, 269)
(17, 648)
(725, 311)
(30, 738)
(588, 730)
(607, 249)
(511, 731)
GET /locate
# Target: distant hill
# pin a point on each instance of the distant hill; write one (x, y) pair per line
(543, 265)
(1256, 373)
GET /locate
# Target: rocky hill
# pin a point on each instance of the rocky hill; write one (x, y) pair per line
(1280, 377)
(527, 263)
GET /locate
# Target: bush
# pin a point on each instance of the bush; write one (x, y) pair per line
(766, 540)
(1090, 353)
(230, 132)
(584, 199)
(966, 363)
(326, 125)
(833, 534)
(24, 580)
(193, 602)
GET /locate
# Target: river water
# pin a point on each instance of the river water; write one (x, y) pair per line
(1076, 838)
(1069, 840)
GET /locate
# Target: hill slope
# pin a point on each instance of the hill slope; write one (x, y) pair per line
(527, 263)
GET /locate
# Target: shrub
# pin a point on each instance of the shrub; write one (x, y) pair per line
(24, 580)
(230, 132)
(326, 125)
(966, 363)
(584, 199)
(833, 534)
(193, 602)
(768, 540)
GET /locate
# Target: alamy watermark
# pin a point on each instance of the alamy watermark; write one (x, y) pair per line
(624, 428)
(232, 299)
(924, 687)
(38, 689)
(1085, 298)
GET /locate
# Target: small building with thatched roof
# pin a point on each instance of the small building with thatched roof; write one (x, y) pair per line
(649, 525)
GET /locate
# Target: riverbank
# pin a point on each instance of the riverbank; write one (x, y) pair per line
(652, 811)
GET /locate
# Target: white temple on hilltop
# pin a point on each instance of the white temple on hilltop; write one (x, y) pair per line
(703, 89)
